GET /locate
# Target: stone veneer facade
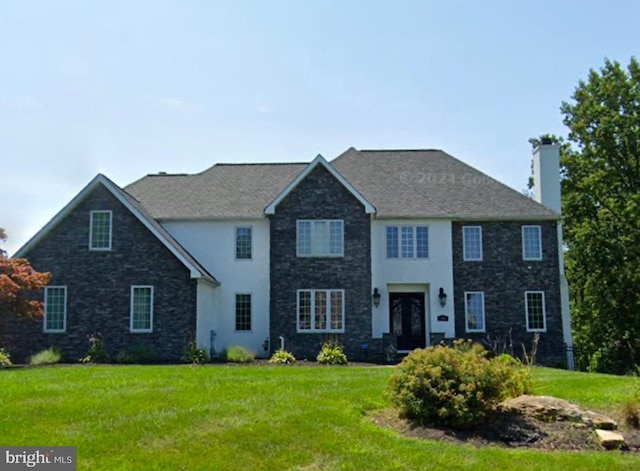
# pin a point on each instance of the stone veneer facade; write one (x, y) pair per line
(504, 277)
(320, 196)
(99, 287)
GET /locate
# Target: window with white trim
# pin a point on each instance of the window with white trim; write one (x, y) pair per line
(472, 243)
(474, 311)
(407, 242)
(531, 243)
(243, 242)
(243, 312)
(55, 309)
(320, 238)
(141, 308)
(100, 230)
(535, 311)
(320, 310)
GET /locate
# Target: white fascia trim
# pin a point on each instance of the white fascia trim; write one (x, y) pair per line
(109, 185)
(319, 160)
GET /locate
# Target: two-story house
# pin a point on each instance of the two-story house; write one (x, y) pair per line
(375, 248)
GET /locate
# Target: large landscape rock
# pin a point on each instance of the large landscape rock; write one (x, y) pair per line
(545, 408)
(610, 440)
(553, 409)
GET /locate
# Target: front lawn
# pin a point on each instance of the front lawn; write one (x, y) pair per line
(257, 417)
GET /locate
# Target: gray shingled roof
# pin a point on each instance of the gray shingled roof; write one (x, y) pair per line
(431, 183)
(222, 191)
(399, 183)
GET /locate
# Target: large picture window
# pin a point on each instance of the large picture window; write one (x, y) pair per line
(320, 310)
(320, 238)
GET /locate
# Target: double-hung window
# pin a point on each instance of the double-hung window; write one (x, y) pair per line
(55, 309)
(320, 310)
(472, 243)
(407, 242)
(474, 311)
(243, 243)
(100, 230)
(535, 311)
(141, 309)
(531, 243)
(320, 238)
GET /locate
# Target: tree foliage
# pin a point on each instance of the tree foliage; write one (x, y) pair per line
(601, 207)
(19, 284)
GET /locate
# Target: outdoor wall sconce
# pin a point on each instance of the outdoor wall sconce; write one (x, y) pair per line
(442, 296)
(376, 297)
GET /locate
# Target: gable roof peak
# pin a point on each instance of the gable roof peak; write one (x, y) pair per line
(320, 160)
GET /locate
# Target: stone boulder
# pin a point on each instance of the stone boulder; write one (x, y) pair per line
(610, 440)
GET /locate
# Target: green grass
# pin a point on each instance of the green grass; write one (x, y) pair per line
(255, 418)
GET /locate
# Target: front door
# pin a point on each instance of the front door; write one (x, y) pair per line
(408, 319)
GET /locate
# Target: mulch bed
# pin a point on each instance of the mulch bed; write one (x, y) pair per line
(511, 431)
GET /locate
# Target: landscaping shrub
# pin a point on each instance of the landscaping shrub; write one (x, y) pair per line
(46, 357)
(455, 386)
(631, 409)
(137, 354)
(282, 357)
(238, 354)
(332, 354)
(5, 358)
(97, 352)
(193, 354)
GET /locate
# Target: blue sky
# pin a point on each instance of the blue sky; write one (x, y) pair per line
(127, 88)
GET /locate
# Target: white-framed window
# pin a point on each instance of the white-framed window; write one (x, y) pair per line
(243, 312)
(472, 243)
(55, 309)
(320, 310)
(535, 311)
(141, 308)
(531, 243)
(474, 311)
(244, 236)
(320, 238)
(100, 230)
(407, 241)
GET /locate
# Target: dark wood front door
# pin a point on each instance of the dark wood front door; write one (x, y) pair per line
(408, 319)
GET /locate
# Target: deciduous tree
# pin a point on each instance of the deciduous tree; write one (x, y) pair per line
(601, 208)
(19, 285)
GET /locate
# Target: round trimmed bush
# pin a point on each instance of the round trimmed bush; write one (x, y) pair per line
(454, 386)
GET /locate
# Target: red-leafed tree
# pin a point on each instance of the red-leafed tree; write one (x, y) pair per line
(19, 283)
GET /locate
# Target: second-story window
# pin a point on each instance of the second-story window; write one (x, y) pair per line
(472, 243)
(320, 238)
(243, 243)
(531, 243)
(407, 242)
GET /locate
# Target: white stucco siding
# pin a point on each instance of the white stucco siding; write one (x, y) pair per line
(414, 275)
(212, 243)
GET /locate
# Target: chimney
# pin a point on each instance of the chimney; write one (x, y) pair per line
(546, 175)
